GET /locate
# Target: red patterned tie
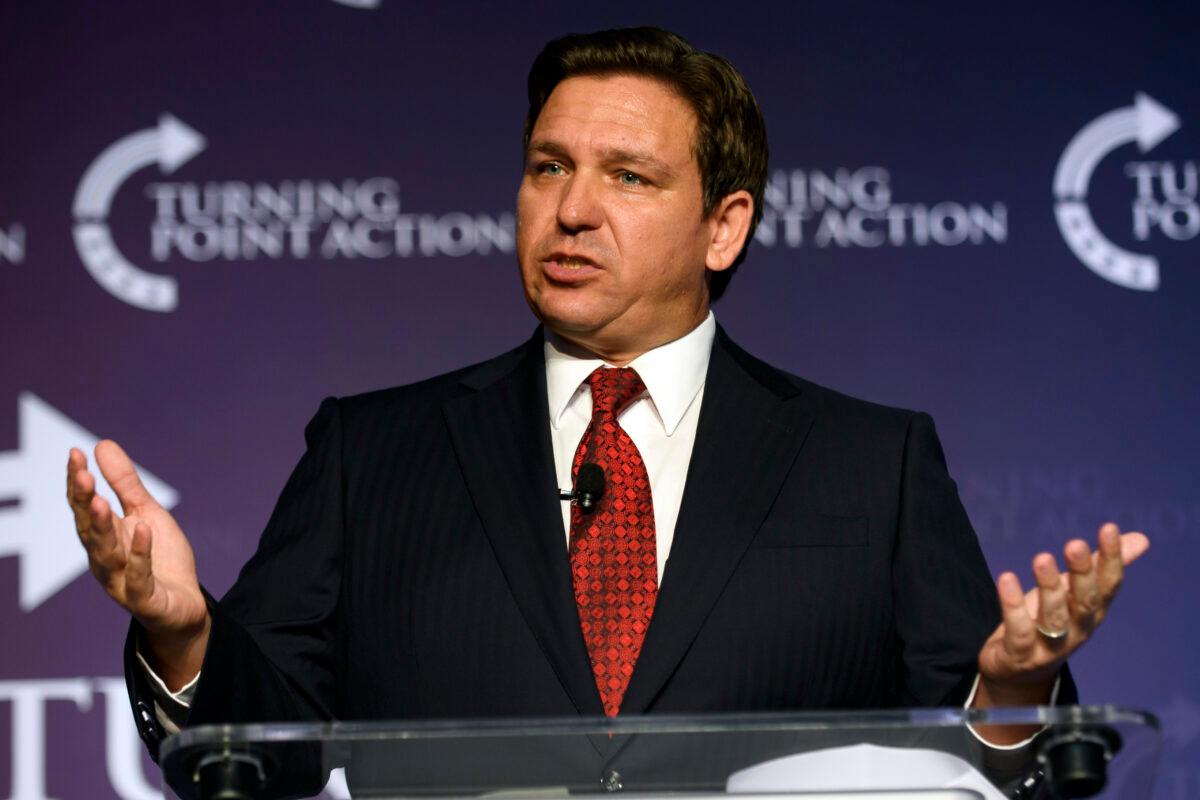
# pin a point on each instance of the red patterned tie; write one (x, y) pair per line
(614, 560)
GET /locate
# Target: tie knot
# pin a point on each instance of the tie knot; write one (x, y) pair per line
(613, 389)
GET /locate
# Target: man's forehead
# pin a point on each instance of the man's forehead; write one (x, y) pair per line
(614, 112)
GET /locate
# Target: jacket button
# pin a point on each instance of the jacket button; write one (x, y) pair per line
(146, 718)
(611, 781)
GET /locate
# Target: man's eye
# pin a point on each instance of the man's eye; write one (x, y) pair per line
(630, 179)
(551, 169)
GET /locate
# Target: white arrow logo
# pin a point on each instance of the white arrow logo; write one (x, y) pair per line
(41, 528)
(1145, 122)
(169, 145)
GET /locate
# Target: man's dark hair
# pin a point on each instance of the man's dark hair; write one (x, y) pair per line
(731, 137)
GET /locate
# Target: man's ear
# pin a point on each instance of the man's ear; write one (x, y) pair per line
(730, 222)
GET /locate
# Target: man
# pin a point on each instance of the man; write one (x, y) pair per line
(759, 542)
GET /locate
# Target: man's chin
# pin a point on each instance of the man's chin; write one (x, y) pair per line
(572, 328)
(568, 317)
(580, 330)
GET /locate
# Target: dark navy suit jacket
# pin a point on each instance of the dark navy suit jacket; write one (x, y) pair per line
(416, 566)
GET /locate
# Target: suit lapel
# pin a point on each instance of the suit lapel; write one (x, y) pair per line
(752, 424)
(501, 435)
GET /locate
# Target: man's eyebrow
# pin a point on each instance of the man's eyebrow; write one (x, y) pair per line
(548, 148)
(612, 155)
(617, 155)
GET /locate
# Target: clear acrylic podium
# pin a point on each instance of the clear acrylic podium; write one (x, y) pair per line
(1101, 752)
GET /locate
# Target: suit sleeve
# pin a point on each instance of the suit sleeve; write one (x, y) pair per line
(945, 595)
(946, 600)
(272, 654)
(946, 604)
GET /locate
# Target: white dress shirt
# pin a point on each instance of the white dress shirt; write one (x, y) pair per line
(661, 422)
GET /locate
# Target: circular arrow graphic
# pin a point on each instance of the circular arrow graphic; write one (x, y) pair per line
(169, 145)
(1146, 122)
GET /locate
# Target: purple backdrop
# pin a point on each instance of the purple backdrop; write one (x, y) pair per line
(214, 214)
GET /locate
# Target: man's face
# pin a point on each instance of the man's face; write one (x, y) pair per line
(611, 236)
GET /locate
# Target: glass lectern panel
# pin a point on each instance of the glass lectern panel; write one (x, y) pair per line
(1100, 752)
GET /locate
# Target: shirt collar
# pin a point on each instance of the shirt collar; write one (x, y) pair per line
(673, 373)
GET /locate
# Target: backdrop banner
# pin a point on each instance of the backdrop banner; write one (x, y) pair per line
(214, 214)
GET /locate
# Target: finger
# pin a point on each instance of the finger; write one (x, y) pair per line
(102, 527)
(1053, 612)
(1133, 546)
(1086, 598)
(1110, 566)
(139, 576)
(76, 469)
(1019, 631)
(81, 488)
(76, 461)
(121, 475)
(103, 543)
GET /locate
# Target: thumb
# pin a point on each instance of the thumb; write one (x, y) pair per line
(1133, 546)
(121, 475)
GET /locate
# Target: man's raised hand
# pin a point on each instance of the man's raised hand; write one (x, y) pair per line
(1020, 660)
(142, 560)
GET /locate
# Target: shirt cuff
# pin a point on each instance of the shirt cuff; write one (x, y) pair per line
(170, 708)
(1023, 742)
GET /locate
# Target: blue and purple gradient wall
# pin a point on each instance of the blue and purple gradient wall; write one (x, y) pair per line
(214, 214)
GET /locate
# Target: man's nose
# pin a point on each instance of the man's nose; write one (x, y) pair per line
(579, 206)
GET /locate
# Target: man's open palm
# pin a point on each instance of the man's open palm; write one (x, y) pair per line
(142, 559)
(1042, 627)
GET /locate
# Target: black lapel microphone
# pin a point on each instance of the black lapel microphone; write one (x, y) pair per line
(589, 487)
